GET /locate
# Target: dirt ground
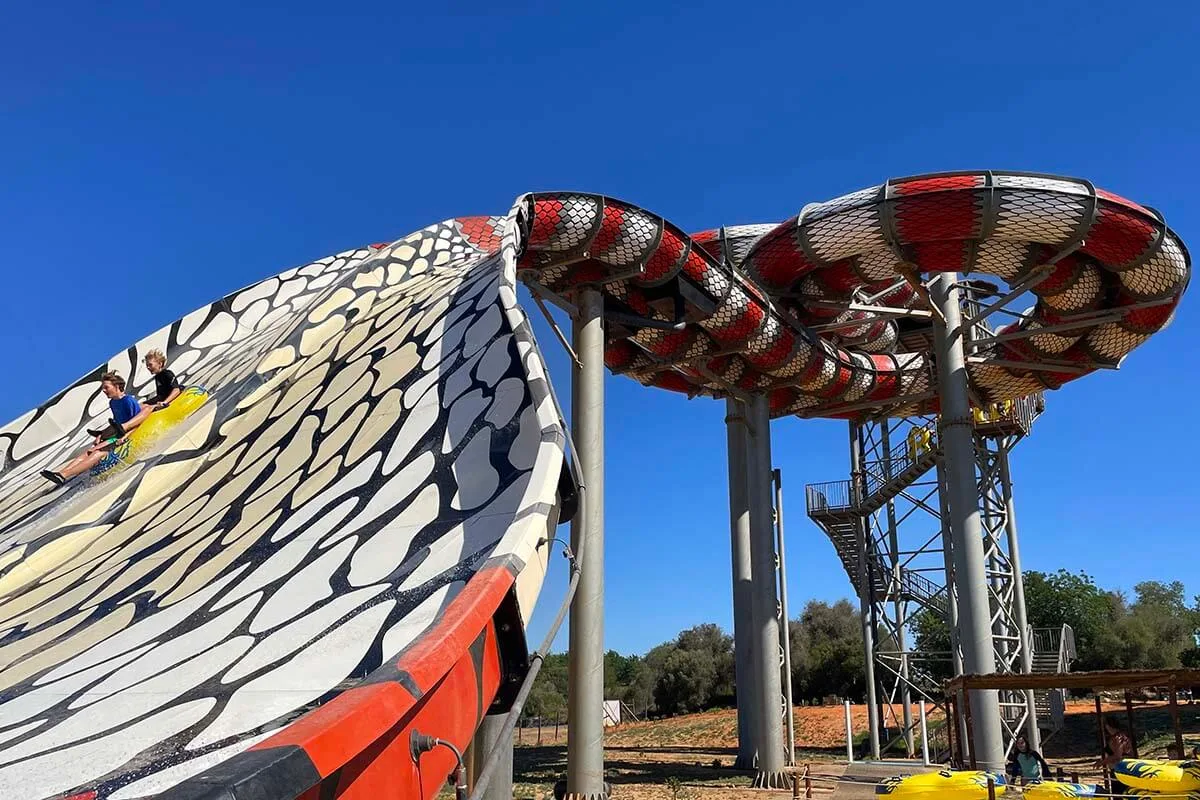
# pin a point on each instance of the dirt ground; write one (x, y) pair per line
(691, 757)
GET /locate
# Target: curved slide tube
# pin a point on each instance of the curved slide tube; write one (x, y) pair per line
(344, 542)
(359, 513)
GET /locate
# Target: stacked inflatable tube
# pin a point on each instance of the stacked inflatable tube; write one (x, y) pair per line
(1164, 777)
(943, 785)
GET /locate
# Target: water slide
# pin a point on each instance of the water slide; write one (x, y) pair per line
(344, 541)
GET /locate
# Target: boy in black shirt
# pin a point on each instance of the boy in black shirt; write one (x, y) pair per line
(166, 389)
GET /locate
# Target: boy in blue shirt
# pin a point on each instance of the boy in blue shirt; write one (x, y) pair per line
(124, 408)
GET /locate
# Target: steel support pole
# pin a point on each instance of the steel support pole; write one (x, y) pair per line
(858, 491)
(585, 670)
(500, 787)
(956, 661)
(958, 445)
(785, 624)
(948, 556)
(885, 441)
(767, 656)
(1033, 734)
(737, 438)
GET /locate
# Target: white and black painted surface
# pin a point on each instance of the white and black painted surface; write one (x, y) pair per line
(380, 426)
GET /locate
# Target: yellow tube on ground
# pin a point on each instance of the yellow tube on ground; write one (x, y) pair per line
(1046, 790)
(1165, 777)
(967, 785)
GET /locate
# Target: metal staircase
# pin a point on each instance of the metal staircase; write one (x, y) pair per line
(1053, 651)
(837, 511)
(841, 526)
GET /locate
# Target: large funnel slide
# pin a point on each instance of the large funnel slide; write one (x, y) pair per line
(341, 544)
(339, 540)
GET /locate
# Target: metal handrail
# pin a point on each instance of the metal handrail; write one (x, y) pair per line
(831, 496)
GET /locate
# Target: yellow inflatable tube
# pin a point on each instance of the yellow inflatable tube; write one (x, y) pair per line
(1177, 777)
(143, 437)
(1047, 790)
(967, 785)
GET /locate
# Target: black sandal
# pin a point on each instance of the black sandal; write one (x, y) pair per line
(112, 430)
(53, 477)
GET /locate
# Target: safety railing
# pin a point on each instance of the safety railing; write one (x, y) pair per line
(827, 497)
(913, 451)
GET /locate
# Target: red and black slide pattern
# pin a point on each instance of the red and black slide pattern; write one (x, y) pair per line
(768, 308)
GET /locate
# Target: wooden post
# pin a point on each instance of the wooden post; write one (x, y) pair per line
(991, 788)
(966, 695)
(1129, 720)
(952, 733)
(539, 739)
(1103, 738)
(1175, 719)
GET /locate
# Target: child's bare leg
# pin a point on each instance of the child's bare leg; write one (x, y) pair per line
(81, 463)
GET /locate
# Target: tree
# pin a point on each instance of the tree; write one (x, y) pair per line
(931, 634)
(1158, 627)
(827, 653)
(1074, 599)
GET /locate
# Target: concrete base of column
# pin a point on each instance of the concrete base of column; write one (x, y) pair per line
(745, 762)
(773, 780)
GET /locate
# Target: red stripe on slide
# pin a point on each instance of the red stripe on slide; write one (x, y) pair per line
(347, 725)
(937, 184)
(665, 257)
(546, 216)
(1119, 236)
(945, 216)
(610, 228)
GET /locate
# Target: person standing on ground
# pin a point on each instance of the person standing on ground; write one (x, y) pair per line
(1026, 764)
(1118, 745)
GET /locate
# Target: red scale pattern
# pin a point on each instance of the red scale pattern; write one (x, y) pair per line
(940, 217)
(1150, 319)
(887, 380)
(610, 228)
(840, 277)
(481, 232)
(777, 355)
(938, 220)
(776, 262)
(1119, 236)
(937, 183)
(546, 216)
(665, 258)
(741, 327)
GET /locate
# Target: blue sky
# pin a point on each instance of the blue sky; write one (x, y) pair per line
(156, 157)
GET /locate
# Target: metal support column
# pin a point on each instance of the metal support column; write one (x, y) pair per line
(958, 445)
(500, 787)
(785, 633)
(898, 598)
(858, 490)
(737, 438)
(1032, 733)
(767, 655)
(585, 670)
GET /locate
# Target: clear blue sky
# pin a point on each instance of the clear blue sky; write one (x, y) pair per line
(155, 157)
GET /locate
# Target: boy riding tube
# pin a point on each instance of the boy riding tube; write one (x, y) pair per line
(125, 408)
(166, 389)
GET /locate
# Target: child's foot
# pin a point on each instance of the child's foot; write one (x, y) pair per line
(112, 430)
(53, 477)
